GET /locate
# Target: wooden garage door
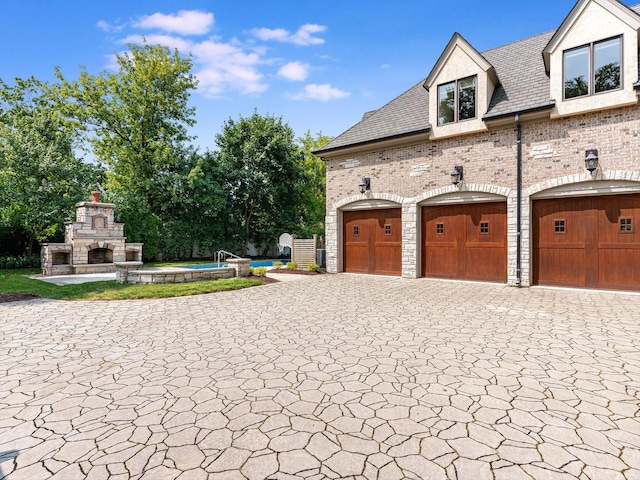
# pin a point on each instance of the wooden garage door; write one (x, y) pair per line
(373, 241)
(467, 241)
(590, 242)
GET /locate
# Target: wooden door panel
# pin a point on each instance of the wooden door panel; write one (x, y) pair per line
(562, 266)
(467, 241)
(375, 246)
(440, 262)
(356, 259)
(623, 277)
(604, 228)
(356, 242)
(485, 263)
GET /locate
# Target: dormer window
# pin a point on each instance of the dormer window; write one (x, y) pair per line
(457, 100)
(593, 68)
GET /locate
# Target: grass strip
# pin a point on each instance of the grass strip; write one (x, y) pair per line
(17, 281)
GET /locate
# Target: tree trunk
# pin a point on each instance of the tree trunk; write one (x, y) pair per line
(247, 229)
(29, 250)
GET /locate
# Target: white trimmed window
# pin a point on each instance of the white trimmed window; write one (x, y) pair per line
(593, 68)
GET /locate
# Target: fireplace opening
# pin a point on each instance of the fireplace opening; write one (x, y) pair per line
(60, 258)
(100, 255)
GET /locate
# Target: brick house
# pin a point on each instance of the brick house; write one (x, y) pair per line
(518, 165)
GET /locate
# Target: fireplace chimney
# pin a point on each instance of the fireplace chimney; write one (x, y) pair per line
(95, 196)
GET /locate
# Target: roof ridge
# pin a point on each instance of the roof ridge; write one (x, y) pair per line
(530, 37)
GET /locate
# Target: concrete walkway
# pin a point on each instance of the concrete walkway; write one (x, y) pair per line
(75, 279)
(337, 376)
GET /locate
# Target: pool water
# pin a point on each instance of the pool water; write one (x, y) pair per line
(254, 263)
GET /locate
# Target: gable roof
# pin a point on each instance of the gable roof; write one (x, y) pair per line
(457, 41)
(615, 7)
(524, 86)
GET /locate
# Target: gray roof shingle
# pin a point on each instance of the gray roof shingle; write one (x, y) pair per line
(524, 85)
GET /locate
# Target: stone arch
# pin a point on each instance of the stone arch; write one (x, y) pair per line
(369, 197)
(452, 190)
(599, 183)
(477, 192)
(100, 252)
(621, 180)
(334, 221)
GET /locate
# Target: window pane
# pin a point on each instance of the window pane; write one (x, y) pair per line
(467, 98)
(446, 103)
(576, 72)
(606, 60)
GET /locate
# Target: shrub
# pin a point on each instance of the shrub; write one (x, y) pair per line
(292, 265)
(260, 271)
(251, 270)
(21, 261)
(313, 267)
(277, 264)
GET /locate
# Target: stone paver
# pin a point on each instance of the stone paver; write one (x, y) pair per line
(336, 376)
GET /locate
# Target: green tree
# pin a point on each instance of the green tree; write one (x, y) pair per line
(40, 177)
(576, 87)
(137, 120)
(608, 77)
(263, 170)
(313, 204)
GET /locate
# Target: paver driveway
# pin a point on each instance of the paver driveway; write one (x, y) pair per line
(339, 376)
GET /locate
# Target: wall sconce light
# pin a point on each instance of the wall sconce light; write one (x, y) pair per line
(365, 184)
(591, 160)
(457, 176)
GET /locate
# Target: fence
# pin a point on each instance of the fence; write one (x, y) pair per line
(303, 250)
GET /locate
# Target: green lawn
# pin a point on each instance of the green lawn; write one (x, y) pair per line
(16, 281)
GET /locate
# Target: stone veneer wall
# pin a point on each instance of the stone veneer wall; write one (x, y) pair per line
(175, 276)
(553, 154)
(94, 228)
(86, 234)
(131, 272)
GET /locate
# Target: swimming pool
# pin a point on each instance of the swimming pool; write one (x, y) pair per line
(254, 263)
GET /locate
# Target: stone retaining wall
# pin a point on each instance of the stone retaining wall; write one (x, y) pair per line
(131, 272)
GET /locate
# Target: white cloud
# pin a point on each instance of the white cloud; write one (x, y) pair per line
(226, 67)
(219, 67)
(266, 34)
(304, 35)
(295, 71)
(222, 67)
(323, 93)
(107, 27)
(186, 22)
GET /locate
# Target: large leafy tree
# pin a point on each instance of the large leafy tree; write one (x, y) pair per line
(263, 168)
(313, 205)
(40, 177)
(137, 120)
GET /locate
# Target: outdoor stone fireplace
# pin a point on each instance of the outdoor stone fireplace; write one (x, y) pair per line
(92, 244)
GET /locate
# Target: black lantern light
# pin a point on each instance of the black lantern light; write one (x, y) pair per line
(365, 184)
(591, 160)
(456, 176)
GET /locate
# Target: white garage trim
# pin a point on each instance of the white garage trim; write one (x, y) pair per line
(604, 183)
(370, 205)
(463, 197)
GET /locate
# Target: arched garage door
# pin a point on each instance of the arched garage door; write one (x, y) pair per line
(465, 241)
(373, 241)
(589, 242)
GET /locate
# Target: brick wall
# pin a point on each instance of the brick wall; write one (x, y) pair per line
(549, 148)
(553, 153)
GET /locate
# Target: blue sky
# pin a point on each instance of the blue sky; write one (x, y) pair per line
(318, 65)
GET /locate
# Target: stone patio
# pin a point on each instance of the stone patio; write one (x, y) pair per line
(337, 376)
